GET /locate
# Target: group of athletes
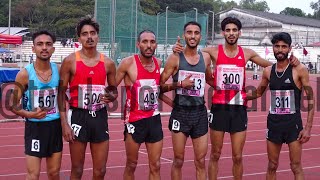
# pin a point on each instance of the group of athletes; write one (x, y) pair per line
(71, 102)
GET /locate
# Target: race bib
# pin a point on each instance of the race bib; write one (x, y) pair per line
(47, 99)
(89, 97)
(282, 102)
(175, 125)
(199, 83)
(130, 128)
(76, 129)
(148, 94)
(230, 77)
(35, 145)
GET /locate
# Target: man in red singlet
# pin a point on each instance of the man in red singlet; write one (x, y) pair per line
(91, 79)
(141, 75)
(228, 110)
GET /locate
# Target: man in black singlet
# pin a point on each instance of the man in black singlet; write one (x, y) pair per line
(284, 119)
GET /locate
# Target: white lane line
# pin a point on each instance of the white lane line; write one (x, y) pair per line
(263, 173)
(165, 159)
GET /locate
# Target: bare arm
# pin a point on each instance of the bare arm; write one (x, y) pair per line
(209, 74)
(262, 86)
(305, 134)
(20, 86)
(254, 57)
(170, 68)
(65, 75)
(122, 70)
(111, 89)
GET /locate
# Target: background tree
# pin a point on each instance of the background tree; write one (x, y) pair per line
(150, 6)
(293, 12)
(61, 16)
(253, 5)
(316, 9)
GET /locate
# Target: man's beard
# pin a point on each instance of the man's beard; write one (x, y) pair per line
(192, 46)
(284, 56)
(231, 43)
(147, 56)
(44, 58)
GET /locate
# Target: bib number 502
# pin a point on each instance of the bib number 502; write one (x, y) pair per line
(91, 98)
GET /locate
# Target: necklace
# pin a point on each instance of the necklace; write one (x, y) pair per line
(38, 73)
(282, 72)
(146, 65)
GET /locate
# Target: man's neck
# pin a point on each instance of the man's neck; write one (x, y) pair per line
(89, 53)
(145, 60)
(282, 64)
(190, 51)
(231, 48)
(42, 65)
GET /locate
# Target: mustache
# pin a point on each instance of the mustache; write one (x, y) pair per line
(280, 53)
(44, 52)
(89, 40)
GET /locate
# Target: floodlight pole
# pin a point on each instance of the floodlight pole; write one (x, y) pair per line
(166, 41)
(212, 30)
(95, 9)
(9, 22)
(157, 35)
(196, 14)
(136, 26)
(207, 27)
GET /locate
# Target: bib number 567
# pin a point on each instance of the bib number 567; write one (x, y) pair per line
(47, 101)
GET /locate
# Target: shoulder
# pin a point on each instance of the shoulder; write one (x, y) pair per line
(301, 69)
(175, 57)
(159, 61)
(23, 73)
(22, 76)
(210, 49)
(248, 51)
(108, 61)
(268, 69)
(126, 62)
(69, 59)
(206, 57)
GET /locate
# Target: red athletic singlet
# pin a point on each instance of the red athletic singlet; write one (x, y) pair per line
(88, 83)
(229, 79)
(142, 96)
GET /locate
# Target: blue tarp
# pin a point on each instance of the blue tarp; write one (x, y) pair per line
(3, 50)
(8, 74)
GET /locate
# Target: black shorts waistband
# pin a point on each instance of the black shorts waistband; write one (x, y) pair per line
(76, 108)
(189, 107)
(228, 106)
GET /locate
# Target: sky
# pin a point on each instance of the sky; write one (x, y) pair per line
(278, 5)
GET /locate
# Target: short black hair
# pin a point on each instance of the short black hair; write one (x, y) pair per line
(41, 32)
(191, 23)
(87, 20)
(282, 36)
(231, 20)
(145, 31)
